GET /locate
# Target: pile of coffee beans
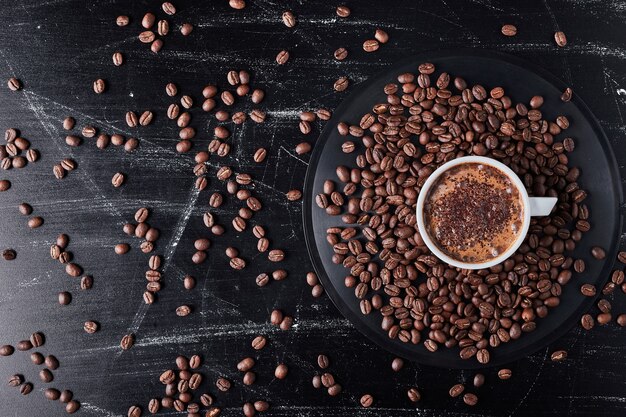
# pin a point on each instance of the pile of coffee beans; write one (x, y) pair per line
(142, 230)
(427, 120)
(326, 379)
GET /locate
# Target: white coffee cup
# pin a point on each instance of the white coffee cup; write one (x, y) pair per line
(532, 206)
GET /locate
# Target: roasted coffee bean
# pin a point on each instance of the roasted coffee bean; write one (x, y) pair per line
(37, 339)
(343, 11)
(72, 406)
(587, 322)
(621, 256)
(371, 45)
(289, 19)
(276, 255)
(24, 345)
(567, 95)
(560, 39)
(341, 84)
(322, 361)
(91, 327)
(334, 390)
(414, 395)
(122, 248)
(245, 364)
(45, 375)
(259, 342)
(118, 179)
(33, 222)
(36, 358)
(65, 298)
(598, 253)
(558, 356)
(366, 400)
(340, 54)
(26, 388)
(127, 341)
(282, 57)
(621, 320)
(479, 380)
(25, 209)
(222, 384)
(86, 282)
(52, 394)
(504, 373)
(9, 254)
(182, 311)
(51, 362)
(122, 20)
(15, 380)
(99, 86)
(5, 185)
(588, 290)
(66, 396)
(509, 30)
(470, 399)
(186, 29)
(14, 84)
(456, 390)
(603, 318)
(168, 8)
(397, 364)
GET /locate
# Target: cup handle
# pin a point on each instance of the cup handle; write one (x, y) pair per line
(541, 206)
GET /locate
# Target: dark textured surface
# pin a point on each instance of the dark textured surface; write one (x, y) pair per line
(57, 48)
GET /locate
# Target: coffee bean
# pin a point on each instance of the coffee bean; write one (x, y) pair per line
(245, 364)
(24, 345)
(91, 327)
(604, 306)
(341, 84)
(381, 36)
(122, 248)
(322, 361)
(36, 358)
(366, 400)
(567, 95)
(343, 11)
(26, 388)
(146, 118)
(66, 396)
(9, 254)
(289, 19)
(122, 20)
(470, 399)
(134, 411)
(276, 255)
(15, 380)
(148, 20)
(257, 96)
(163, 27)
(621, 256)
(560, 39)
(558, 356)
(621, 320)
(127, 341)
(34, 222)
(294, 195)
(65, 298)
(340, 54)
(588, 290)
(334, 390)
(479, 380)
(86, 282)
(6, 350)
(14, 84)
(397, 364)
(5, 185)
(52, 394)
(25, 209)
(509, 30)
(259, 155)
(237, 263)
(371, 45)
(414, 395)
(45, 375)
(72, 406)
(504, 373)
(222, 384)
(118, 179)
(259, 342)
(303, 148)
(598, 253)
(456, 390)
(37, 339)
(52, 362)
(282, 57)
(99, 86)
(603, 318)
(168, 8)
(186, 29)
(183, 311)
(58, 171)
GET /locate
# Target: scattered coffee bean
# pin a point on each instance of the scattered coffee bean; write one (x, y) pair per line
(558, 356)
(52, 362)
(9, 254)
(621, 320)
(289, 19)
(25, 209)
(26, 388)
(479, 380)
(52, 394)
(118, 179)
(90, 327)
(99, 86)
(282, 57)
(470, 399)
(341, 54)
(45, 375)
(598, 253)
(567, 95)
(222, 384)
(35, 222)
(371, 45)
(72, 406)
(127, 341)
(509, 30)
(6, 350)
(504, 373)
(366, 400)
(15, 380)
(24, 345)
(414, 395)
(14, 84)
(341, 84)
(456, 390)
(343, 11)
(560, 39)
(183, 311)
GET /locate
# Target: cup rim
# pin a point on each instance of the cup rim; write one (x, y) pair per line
(422, 199)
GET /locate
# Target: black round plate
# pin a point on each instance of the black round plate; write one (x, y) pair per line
(521, 80)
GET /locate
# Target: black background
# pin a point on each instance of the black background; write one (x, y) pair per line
(58, 48)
